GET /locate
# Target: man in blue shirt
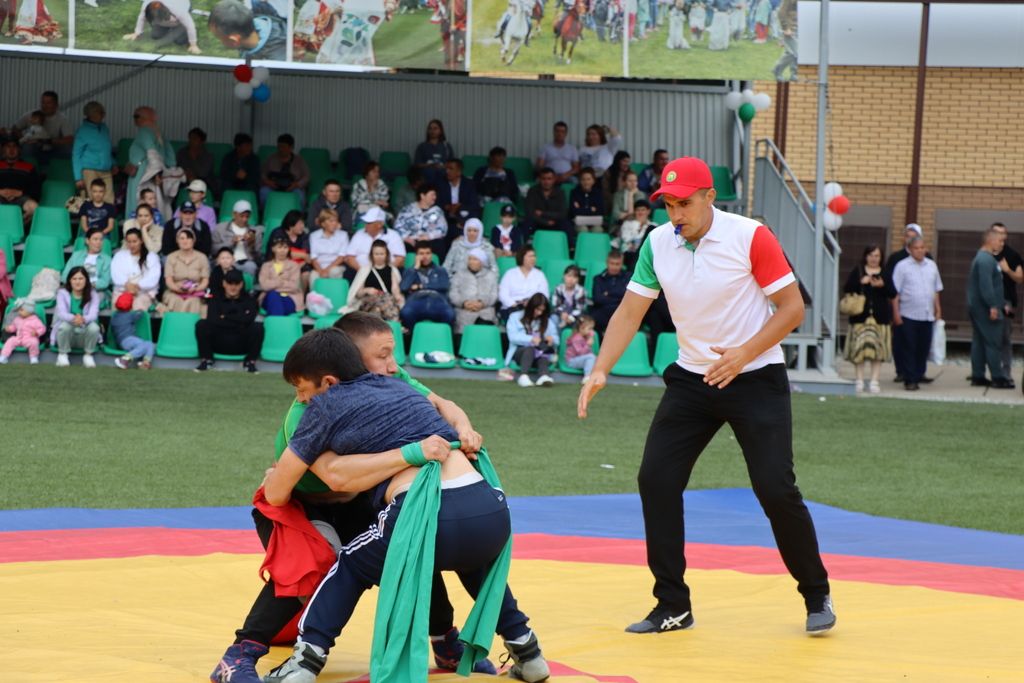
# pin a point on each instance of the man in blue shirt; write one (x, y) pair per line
(473, 522)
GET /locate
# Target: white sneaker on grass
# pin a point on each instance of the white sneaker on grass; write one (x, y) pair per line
(545, 381)
(524, 381)
(88, 361)
(32, 360)
(62, 360)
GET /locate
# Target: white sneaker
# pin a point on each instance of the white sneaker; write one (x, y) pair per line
(524, 381)
(545, 381)
(858, 386)
(874, 387)
(4, 360)
(88, 361)
(62, 360)
(32, 360)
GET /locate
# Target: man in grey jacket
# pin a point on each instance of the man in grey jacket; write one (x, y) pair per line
(985, 304)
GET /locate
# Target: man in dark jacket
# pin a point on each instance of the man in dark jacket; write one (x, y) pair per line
(425, 287)
(985, 304)
(609, 289)
(230, 326)
(240, 168)
(187, 219)
(546, 207)
(458, 198)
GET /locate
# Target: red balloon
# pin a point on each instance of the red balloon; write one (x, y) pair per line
(243, 73)
(839, 205)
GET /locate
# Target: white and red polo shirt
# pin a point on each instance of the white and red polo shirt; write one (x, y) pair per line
(718, 292)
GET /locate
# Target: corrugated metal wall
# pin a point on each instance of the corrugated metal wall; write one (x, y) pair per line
(386, 112)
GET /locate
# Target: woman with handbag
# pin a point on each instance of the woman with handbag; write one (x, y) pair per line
(869, 337)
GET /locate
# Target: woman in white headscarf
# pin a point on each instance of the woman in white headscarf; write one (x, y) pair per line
(472, 238)
(474, 290)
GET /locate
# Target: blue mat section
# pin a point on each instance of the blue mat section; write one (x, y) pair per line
(723, 517)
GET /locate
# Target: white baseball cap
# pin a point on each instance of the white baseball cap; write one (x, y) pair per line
(242, 206)
(374, 215)
(197, 186)
(915, 227)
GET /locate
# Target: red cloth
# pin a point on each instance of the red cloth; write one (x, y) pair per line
(298, 557)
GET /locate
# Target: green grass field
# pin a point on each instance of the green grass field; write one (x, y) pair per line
(169, 438)
(409, 41)
(58, 12)
(103, 28)
(647, 58)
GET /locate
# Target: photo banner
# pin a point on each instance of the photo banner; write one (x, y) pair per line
(656, 39)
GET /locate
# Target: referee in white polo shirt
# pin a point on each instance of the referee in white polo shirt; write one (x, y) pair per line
(721, 274)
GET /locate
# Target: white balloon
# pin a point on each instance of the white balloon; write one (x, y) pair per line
(832, 190)
(255, 82)
(733, 100)
(748, 96)
(832, 221)
(261, 74)
(243, 91)
(762, 101)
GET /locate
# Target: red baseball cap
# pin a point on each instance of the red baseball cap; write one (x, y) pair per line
(684, 176)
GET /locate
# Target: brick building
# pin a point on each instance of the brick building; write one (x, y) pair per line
(972, 159)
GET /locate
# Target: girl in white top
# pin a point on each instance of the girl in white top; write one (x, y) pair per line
(135, 270)
(519, 284)
(602, 142)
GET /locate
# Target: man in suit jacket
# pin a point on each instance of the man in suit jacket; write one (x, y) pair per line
(458, 198)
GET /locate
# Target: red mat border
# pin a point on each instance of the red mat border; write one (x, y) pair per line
(107, 543)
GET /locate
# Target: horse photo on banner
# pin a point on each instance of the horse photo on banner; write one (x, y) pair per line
(382, 33)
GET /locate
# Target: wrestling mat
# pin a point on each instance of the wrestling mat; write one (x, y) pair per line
(155, 596)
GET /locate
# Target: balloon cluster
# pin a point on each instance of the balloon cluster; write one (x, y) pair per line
(836, 204)
(746, 104)
(252, 83)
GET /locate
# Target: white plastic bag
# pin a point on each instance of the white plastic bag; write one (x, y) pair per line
(938, 353)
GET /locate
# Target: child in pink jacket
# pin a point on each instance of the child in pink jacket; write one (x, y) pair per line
(27, 329)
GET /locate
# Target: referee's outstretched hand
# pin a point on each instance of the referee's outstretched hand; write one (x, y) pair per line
(588, 391)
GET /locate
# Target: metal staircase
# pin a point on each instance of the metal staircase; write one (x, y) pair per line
(785, 207)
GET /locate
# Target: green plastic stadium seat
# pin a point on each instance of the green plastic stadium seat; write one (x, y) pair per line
(505, 264)
(23, 278)
(592, 246)
(143, 330)
(218, 150)
(42, 250)
(334, 288)
(550, 244)
(396, 330)
(491, 216)
(562, 366)
(280, 332)
(554, 269)
(317, 158)
(11, 224)
(278, 204)
(326, 321)
(397, 187)
(52, 221)
(634, 361)
(178, 336)
(394, 164)
(666, 351)
(233, 357)
(591, 270)
(249, 280)
(60, 169)
(430, 336)
(472, 162)
(637, 167)
(522, 167)
(228, 199)
(659, 217)
(57, 192)
(481, 341)
(725, 189)
(567, 190)
(41, 314)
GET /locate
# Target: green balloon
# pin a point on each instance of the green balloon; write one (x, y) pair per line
(746, 112)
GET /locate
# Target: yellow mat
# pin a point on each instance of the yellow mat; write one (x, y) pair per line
(164, 620)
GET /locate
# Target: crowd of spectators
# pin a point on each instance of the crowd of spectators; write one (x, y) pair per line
(413, 248)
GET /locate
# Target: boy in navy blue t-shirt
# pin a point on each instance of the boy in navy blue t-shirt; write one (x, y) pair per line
(97, 213)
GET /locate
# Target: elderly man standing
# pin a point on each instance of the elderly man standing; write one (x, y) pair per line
(915, 309)
(92, 155)
(910, 232)
(733, 297)
(149, 151)
(985, 304)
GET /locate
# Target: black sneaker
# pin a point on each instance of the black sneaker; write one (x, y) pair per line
(238, 665)
(661, 620)
(911, 386)
(979, 381)
(250, 367)
(926, 380)
(204, 365)
(1003, 383)
(823, 620)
